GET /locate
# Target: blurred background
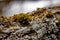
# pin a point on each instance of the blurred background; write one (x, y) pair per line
(11, 7)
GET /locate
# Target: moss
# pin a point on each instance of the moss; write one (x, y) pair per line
(6, 22)
(22, 18)
(49, 15)
(41, 9)
(37, 12)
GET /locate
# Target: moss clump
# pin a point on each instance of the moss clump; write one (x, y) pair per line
(6, 22)
(22, 18)
(41, 10)
(49, 15)
(38, 12)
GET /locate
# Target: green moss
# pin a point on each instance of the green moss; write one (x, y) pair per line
(22, 18)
